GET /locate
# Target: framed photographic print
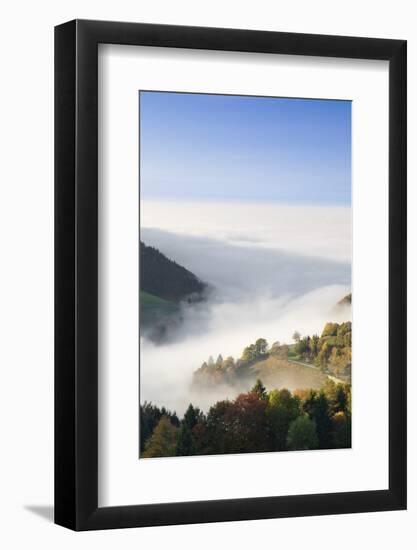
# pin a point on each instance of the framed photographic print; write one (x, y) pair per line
(230, 337)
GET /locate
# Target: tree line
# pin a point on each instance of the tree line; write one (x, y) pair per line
(256, 421)
(331, 352)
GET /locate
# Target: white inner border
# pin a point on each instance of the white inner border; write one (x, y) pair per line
(123, 479)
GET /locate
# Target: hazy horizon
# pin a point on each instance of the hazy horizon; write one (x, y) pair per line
(311, 230)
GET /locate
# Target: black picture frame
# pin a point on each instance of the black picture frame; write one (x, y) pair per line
(76, 272)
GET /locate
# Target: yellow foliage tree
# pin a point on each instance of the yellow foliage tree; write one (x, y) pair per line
(163, 441)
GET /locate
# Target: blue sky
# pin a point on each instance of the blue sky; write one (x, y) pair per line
(242, 148)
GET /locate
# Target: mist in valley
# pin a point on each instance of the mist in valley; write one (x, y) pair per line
(271, 270)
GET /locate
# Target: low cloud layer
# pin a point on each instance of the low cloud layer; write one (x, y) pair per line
(318, 231)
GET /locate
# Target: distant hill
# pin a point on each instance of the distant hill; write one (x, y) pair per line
(346, 301)
(164, 278)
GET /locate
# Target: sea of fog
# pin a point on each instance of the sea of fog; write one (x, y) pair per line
(272, 268)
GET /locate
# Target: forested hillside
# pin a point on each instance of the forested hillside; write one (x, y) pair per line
(164, 278)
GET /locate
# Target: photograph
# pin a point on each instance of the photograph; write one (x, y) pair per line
(245, 274)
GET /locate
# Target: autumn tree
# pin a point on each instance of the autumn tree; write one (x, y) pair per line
(330, 329)
(229, 362)
(261, 346)
(260, 390)
(247, 423)
(255, 351)
(149, 416)
(237, 426)
(338, 396)
(302, 347)
(314, 345)
(339, 360)
(163, 441)
(341, 430)
(249, 353)
(341, 400)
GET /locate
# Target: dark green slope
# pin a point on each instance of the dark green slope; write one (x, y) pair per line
(166, 279)
(152, 308)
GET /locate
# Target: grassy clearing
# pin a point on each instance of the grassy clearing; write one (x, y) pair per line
(152, 307)
(279, 373)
